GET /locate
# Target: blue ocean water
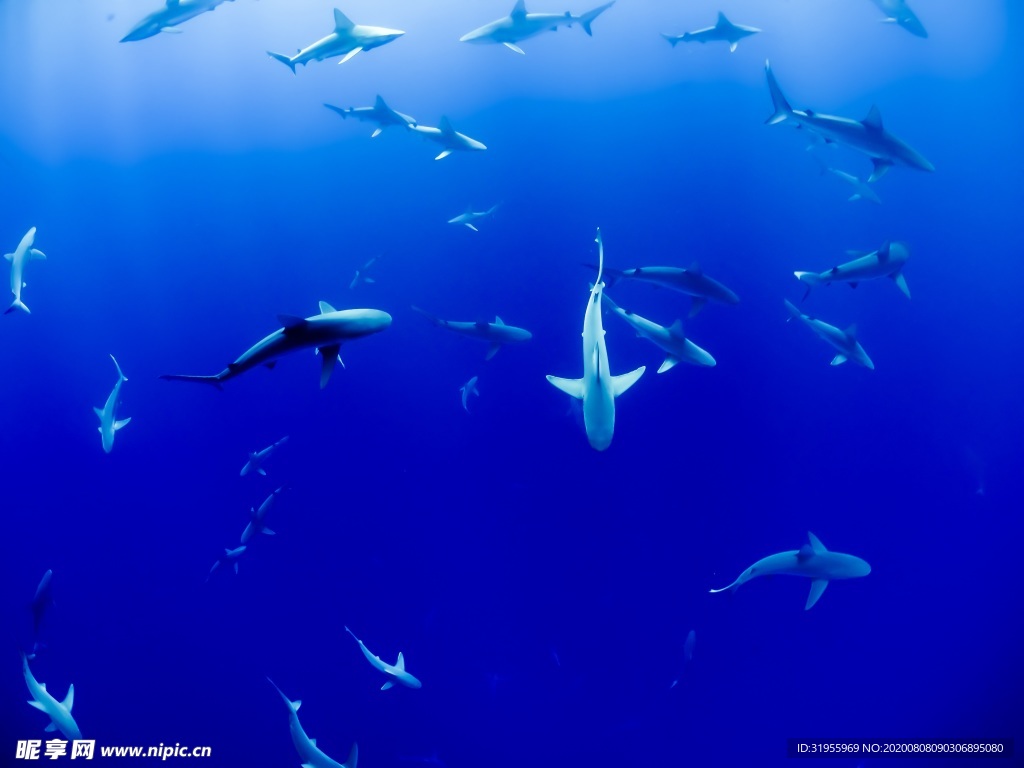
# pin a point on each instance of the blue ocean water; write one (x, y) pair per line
(187, 190)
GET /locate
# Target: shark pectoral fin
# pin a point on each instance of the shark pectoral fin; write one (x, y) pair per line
(37, 705)
(696, 305)
(817, 590)
(269, 532)
(571, 387)
(9, 256)
(69, 700)
(670, 362)
(880, 167)
(901, 283)
(98, 412)
(387, 685)
(515, 48)
(35, 253)
(492, 350)
(262, 471)
(839, 359)
(349, 55)
(353, 757)
(626, 380)
(377, 132)
(443, 155)
(308, 765)
(732, 47)
(471, 227)
(328, 357)
(122, 423)
(50, 728)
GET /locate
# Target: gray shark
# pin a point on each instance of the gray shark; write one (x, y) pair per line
(59, 712)
(868, 135)
(229, 560)
(361, 277)
(520, 25)
(167, 18)
(671, 340)
(258, 523)
(109, 423)
(449, 139)
(598, 388)
(496, 333)
(309, 753)
(844, 342)
(887, 261)
(693, 282)
(395, 672)
(811, 560)
(42, 600)
(346, 40)
(470, 216)
(898, 12)
(256, 458)
(467, 389)
(862, 190)
(723, 30)
(22, 254)
(325, 332)
(380, 114)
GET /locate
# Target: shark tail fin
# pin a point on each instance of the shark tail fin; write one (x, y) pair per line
(18, 304)
(353, 757)
(286, 60)
(215, 380)
(782, 108)
(810, 279)
(731, 588)
(119, 374)
(672, 39)
(588, 18)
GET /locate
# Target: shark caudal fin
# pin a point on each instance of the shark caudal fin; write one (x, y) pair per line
(673, 40)
(782, 108)
(731, 588)
(215, 380)
(810, 279)
(587, 18)
(286, 60)
(293, 706)
(18, 304)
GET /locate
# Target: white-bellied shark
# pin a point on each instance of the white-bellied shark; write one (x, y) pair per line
(811, 560)
(898, 12)
(59, 712)
(167, 18)
(844, 342)
(379, 114)
(361, 277)
(23, 253)
(887, 261)
(671, 340)
(467, 389)
(470, 216)
(325, 332)
(693, 282)
(109, 423)
(229, 559)
(449, 139)
(256, 458)
(723, 30)
(520, 25)
(395, 672)
(258, 523)
(496, 333)
(598, 388)
(346, 40)
(309, 753)
(868, 135)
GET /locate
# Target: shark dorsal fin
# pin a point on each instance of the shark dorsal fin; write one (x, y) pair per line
(379, 103)
(874, 119)
(498, 321)
(446, 126)
(678, 329)
(325, 308)
(519, 9)
(816, 546)
(851, 331)
(400, 664)
(883, 253)
(722, 21)
(694, 269)
(342, 22)
(291, 322)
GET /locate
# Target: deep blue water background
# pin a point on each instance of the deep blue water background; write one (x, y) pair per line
(541, 590)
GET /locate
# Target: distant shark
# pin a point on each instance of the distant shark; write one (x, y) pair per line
(167, 19)
(467, 389)
(671, 340)
(862, 190)
(361, 277)
(41, 601)
(693, 282)
(520, 25)
(109, 423)
(723, 30)
(395, 672)
(59, 712)
(22, 254)
(496, 333)
(471, 216)
(258, 523)
(346, 40)
(898, 12)
(309, 753)
(228, 560)
(598, 388)
(380, 114)
(844, 342)
(811, 560)
(887, 261)
(449, 139)
(868, 135)
(324, 332)
(256, 458)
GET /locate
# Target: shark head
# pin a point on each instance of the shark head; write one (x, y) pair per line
(374, 37)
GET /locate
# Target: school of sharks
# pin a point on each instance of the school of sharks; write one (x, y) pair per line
(593, 381)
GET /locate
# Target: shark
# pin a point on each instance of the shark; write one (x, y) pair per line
(256, 458)
(168, 18)
(380, 114)
(844, 342)
(228, 559)
(110, 425)
(41, 601)
(325, 332)
(692, 281)
(898, 12)
(22, 254)
(467, 389)
(862, 190)
(496, 333)
(887, 261)
(521, 25)
(309, 753)
(258, 523)
(598, 388)
(449, 139)
(868, 136)
(688, 646)
(671, 340)
(347, 40)
(723, 30)
(470, 216)
(813, 561)
(361, 277)
(59, 712)
(395, 672)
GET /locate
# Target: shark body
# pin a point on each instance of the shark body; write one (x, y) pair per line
(470, 216)
(396, 672)
(723, 30)
(844, 342)
(21, 256)
(311, 755)
(521, 25)
(109, 423)
(258, 523)
(380, 114)
(496, 333)
(672, 340)
(887, 261)
(168, 18)
(448, 138)
(347, 40)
